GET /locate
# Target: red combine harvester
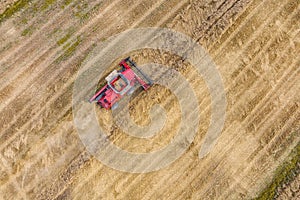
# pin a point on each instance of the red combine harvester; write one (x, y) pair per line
(119, 83)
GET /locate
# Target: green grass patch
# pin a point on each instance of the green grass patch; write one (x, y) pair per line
(64, 39)
(47, 4)
(18, 5)
(24, 20)
(54, 33)
(27, 31)
(67, 2)
(82, 14)
(283, 174)
(72, 47)
(69, 49)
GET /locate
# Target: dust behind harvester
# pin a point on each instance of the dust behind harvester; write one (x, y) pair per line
(119, 83)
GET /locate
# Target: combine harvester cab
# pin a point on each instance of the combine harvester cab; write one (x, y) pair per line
(119, 83)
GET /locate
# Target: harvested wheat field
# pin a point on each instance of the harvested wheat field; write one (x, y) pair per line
(255, 45)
